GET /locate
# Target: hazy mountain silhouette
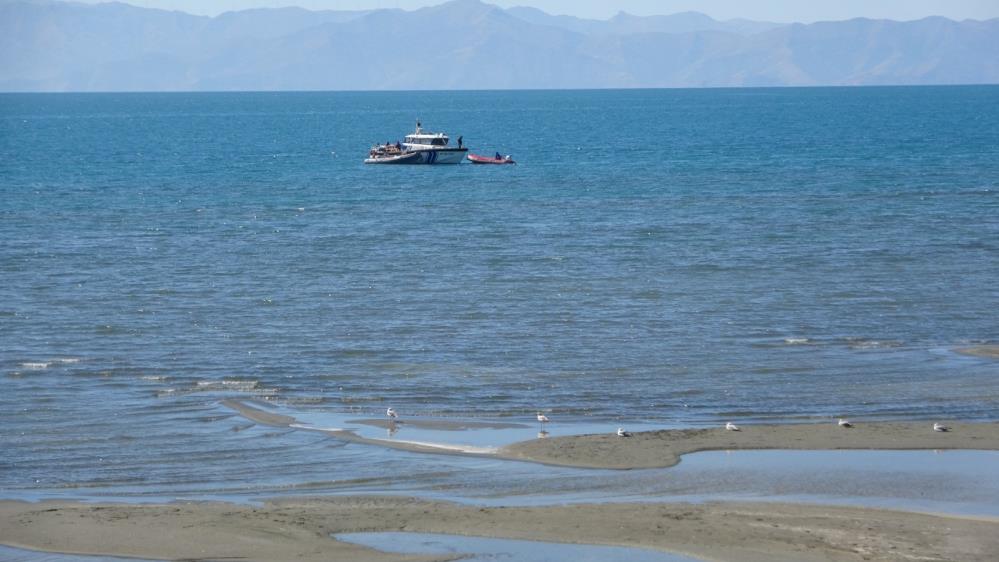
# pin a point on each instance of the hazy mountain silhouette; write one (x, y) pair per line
(624, 23)
(467, 44)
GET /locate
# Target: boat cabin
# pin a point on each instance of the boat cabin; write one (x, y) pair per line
(423, 139)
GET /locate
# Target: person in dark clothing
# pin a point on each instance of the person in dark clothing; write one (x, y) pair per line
(498, 156)
(460, 138)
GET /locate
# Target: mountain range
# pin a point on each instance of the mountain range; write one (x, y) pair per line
(48, 45)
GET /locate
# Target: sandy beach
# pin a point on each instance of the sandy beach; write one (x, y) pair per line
(297, 529)
(300, 529)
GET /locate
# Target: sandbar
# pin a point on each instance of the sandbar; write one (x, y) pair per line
(987, 351)
(299, 529)
(663, 448)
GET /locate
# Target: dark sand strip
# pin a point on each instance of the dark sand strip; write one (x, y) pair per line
(296, 529)
(260, 416)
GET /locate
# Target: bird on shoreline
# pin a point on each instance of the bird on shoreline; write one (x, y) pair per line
(844, 423)
(732, 427)
(622, 433)
(940, 427)
(542, 419)
(391, 413)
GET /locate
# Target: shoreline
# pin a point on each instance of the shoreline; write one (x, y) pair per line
(664, 448)
(301, 529)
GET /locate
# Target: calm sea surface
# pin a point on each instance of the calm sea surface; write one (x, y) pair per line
(667, 257)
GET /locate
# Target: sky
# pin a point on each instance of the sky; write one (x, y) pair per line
(804, 11)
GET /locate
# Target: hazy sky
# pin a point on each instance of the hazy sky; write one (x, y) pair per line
(771, 10)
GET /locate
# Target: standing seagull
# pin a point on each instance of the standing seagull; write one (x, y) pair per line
(844, 423)
(622, 433)
(542, 419)
(391, 413)
(732, 427)
(940, 427)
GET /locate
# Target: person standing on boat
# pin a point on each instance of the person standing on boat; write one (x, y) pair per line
(460, 138)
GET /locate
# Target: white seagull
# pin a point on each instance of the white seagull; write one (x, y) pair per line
(391, 413)
(542, 419)
(940, 427)
(732, 427)
(844, 423)
(622, 433)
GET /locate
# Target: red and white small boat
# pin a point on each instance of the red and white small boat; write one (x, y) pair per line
(479, 159)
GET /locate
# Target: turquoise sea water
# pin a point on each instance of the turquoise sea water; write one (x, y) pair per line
(674, 257)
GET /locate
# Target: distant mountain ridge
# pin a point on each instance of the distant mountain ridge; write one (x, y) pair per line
(624, 23)
(47, 45)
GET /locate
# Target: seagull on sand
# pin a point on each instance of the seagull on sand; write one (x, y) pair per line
(622, 433)
(732, 427)
(391, 413)
(940, 427)
(844, 423)
(542, 419)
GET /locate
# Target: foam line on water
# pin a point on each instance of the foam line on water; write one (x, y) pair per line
(308, 427)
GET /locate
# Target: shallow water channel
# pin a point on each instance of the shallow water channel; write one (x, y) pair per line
(481, 548)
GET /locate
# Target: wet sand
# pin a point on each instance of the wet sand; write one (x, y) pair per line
(297, 529)
(661, 449)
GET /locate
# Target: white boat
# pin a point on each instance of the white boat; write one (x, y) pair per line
(433, 148)
(389, 154)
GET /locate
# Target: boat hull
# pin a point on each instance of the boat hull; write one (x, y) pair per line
(406, 158)
(445, 156)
